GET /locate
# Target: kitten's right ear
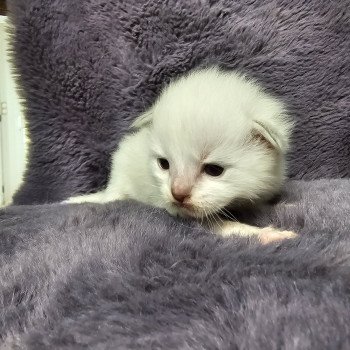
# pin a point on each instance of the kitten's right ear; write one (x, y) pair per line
(266, 135)
(143, 120)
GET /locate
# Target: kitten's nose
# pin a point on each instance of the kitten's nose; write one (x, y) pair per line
(180, 197)
(180, 192)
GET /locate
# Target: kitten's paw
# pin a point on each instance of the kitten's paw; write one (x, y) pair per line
(270, 234)
(88, 198)
(229, 228)
(265, 235)
(73, 200)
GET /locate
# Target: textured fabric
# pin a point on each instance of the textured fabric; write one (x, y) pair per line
(121, 276)
(88, 68)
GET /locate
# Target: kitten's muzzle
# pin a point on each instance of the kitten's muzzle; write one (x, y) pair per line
(185, 210)
(185, 205)
(181, 192)
(180, 198)
(183, 202)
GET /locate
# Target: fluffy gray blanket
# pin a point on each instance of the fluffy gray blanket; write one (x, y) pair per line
(124, 276)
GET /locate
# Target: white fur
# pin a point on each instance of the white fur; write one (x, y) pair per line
(208, 116)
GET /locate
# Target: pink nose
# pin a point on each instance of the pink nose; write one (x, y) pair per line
(180, 192)
(180, 197)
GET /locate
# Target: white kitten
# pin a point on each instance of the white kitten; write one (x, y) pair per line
(212, 139)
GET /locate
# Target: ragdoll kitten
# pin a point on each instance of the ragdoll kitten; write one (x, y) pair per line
(212, 139)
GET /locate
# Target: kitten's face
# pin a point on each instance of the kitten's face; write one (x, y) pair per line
(209, 148)
(198, 180)
(201, 166)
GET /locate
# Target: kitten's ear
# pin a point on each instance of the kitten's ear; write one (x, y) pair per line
(143, 120)
(264, 134)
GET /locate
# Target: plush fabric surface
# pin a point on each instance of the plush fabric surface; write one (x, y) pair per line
(124, 276)
(89, 68)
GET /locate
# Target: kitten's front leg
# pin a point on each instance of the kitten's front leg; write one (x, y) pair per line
(98, 197)
(265, 234)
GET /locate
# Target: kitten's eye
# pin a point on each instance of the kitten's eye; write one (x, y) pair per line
(163, 163)
(213, 169)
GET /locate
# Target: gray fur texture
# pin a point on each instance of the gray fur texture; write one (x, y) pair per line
(122, 276)
(88, 68)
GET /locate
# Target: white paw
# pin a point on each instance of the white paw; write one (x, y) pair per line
(271, 234)
(88, 198)
(78, 199)
(265, 235)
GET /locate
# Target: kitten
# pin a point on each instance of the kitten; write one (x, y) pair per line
(212, 139)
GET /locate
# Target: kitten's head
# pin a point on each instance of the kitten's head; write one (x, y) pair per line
(216, 139)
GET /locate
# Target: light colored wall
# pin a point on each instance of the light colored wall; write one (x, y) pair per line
(12, 133)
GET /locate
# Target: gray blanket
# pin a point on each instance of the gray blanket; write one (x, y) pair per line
(124, 276)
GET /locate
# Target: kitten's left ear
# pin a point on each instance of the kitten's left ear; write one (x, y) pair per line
(143, 120)
(264, 134)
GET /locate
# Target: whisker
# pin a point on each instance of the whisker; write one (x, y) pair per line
(206, 218)
(228, 214)
(219, 218)
(214, 218)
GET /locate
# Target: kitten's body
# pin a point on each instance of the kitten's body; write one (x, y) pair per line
(130, 177)
(201, 124)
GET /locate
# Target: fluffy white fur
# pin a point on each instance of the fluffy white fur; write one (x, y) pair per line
(206, 117)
